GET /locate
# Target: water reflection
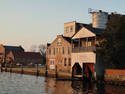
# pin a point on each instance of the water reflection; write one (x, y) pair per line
(27, 84)
(69, 87)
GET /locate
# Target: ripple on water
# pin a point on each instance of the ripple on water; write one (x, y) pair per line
(27, 84)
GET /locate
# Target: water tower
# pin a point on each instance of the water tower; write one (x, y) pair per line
(99, 17)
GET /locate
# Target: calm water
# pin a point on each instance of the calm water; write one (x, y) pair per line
(26, 84)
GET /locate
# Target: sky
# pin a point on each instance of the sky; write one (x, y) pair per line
(35, 22)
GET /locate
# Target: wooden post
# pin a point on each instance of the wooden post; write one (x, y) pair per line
(72, 73)
(37, 71)
(22, 69)
(79, 44)
(56, 72)
(10, 67)
(5, 67)
(46, 72)
(1, 66)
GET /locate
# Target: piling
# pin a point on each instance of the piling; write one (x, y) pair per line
(10, 68)
(56, 72)
(1, 67)
(22, 71)
(37, 74)
(5, 68)
(46, 72)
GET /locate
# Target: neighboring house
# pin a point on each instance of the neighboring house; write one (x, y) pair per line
(59, 54)
(24, 58)
(4, 50)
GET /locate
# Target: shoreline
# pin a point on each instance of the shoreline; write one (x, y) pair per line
(62, 76)
(39, 72)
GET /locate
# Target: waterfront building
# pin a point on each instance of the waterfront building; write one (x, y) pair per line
(83, 51)
(59, 54)
(4, 50)
(24, 58)
(82, 45)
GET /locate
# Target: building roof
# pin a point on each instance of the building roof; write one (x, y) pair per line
(27, 55)
(87, 31)
(67, 39)
(96, 31)
(13, 48)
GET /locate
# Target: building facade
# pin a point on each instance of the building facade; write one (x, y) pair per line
(83, 51)
(59, 54)
(24, 58)
(82, 45)
(4, 50)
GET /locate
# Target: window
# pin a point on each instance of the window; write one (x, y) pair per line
(68, 50)
(51, 62)
(56, 50)
(59, 61)
(67, 29)
(89, 43)
(49, 51)
(53, 51)
(63, 50)
(59, 50)
(71, 28)
(69, 61)
(64, 61)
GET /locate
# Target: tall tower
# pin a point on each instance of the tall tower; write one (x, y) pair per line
(99, 18)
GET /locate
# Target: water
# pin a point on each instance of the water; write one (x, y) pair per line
(27, 84)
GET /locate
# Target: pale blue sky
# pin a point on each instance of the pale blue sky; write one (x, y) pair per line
(34, 22)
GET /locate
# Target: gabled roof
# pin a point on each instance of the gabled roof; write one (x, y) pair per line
(13, 48)
(68, 39)
(96, 31)
(27, 55)
(87, 31)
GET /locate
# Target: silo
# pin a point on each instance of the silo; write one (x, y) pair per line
(100, 19)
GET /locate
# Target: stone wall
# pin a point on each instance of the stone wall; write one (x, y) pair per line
(115, 75)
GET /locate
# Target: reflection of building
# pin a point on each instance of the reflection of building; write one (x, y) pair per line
(25, 58)
(58, 87)
(82, 44)
(69, 87)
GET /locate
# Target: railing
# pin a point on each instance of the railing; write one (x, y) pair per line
(85, 49)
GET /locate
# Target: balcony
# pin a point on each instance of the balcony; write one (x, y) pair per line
(85, 49)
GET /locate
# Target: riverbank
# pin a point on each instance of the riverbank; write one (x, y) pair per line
(39, 72)
(59, 75)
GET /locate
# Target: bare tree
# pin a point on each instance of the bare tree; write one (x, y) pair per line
(33, 48)
(42, 50)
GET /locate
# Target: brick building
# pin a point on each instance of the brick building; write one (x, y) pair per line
(24, 58)
(82, 45)
(59, 51)
(4, 50)
(59, 54)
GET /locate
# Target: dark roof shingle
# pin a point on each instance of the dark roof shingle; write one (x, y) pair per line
(13, 48)
(27, 55)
